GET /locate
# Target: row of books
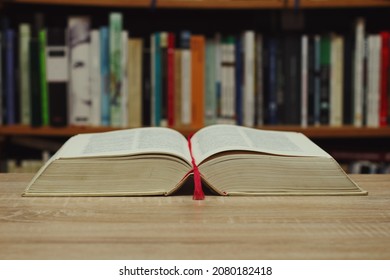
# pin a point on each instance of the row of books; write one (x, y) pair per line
(104, 77)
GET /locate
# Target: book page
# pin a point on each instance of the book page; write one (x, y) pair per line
(221, 138)
(126, 142)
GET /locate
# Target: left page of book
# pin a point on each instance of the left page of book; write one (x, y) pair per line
(126, 142)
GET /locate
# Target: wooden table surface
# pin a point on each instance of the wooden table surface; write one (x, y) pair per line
(177, 227)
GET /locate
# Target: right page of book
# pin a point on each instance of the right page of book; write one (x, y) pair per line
(222, 138)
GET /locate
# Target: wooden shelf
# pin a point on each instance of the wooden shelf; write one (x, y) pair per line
(216, 4)
(313, 132)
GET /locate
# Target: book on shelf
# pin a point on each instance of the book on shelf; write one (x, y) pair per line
(24, 73)
(229, 159)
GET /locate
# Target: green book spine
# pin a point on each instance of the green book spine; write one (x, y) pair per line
(115, 68)
(24, 66)
(44, 92)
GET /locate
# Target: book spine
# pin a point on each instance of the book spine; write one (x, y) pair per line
(324, 79)
(197, 79)
(1, 77)
(146, 86)
(211, 95)
(135, 82)
(239, 79)
(358, 89)
(249, 79)
(336, 80)
(178, 86)
(157, 68)
(115, 47)
(24, 71)
(96, 83)
(171, 80)
(164, 78)
(272, 93)
(35, 84)
(10, 78)
(218, 74)
(186, 109)
(80, 94)
(105, 76)
(57, 77)
(317, 78)
(124, 80)
(304, 79)
(44, 88)
(384, 78)
(373, 78)
(259, 95)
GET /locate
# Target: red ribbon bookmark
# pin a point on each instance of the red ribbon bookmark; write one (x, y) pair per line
(198, 190)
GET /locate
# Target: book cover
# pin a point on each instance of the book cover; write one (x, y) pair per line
(115, 47)
(198, 45)
(79, 90)
(57, 77)
(95, 78)
(105, 76)
(24, 73)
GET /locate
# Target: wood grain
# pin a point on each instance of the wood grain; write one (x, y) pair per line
(177, 227)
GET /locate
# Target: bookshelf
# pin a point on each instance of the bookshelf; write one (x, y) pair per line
(364, 138)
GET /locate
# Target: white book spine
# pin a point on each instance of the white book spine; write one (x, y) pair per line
(304, 80)
(80, 94)
(373, 62)
(95, 78)
(24, 70)
(249, 80)
(336, 80)
(358, 73)
(125, 81)
(186, 87)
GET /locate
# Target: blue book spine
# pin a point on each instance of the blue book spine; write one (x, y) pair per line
(272, 104)
(158, 80)
(239, 81)
(10, 78)
(105, 76)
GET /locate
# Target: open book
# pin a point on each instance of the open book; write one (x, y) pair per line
(231, 160)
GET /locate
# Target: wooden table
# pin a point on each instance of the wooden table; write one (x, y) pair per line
(177, 227)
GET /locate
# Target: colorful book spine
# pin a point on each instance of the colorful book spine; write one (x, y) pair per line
(115, 23)
(198, 45)
(57, 77)
(104, 77)
(24, 73)
(44, 89)
(80, 93)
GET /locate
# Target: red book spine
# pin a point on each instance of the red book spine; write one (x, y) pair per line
(171, 80)
(384, 79)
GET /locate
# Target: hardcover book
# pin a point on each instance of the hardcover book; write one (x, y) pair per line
(228, 159)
